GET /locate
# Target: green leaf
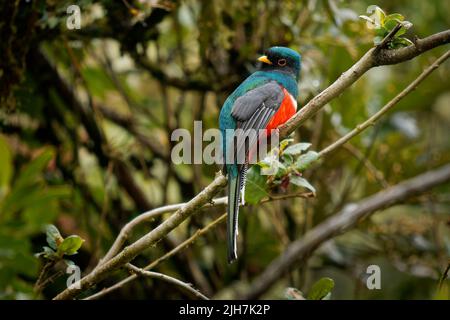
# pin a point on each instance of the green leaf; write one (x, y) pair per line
(288, 159)
(284, 143)
(381, 32)
(256, 186)
(395, 16)
(367, 19)
(321, 289)
(5, 164)
(377, 12)
(297, 148)
(305, 160)
(391, 24)
(69, 262)
(270, 165)
(33, 170)
(54, 238)
(401, 42)
(48, 253)
(301, 182)
(392, 20)
(35, 197)
(70, 245)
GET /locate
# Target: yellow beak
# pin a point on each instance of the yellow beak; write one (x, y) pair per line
(264, 59)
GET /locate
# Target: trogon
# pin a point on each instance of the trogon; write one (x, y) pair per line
(264, 101)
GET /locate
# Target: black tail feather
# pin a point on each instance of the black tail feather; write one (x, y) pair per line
(235, 185)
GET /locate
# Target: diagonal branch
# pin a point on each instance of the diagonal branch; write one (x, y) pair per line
(387, 57)
(372, 58)
(370, 122)
(130, 252)
(123, 235)
(383, 44)
(166, 256)
(342, 222)
(186, 286)
(152, 214)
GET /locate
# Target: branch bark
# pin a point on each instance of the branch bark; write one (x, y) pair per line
(164, 277)
(342, 222)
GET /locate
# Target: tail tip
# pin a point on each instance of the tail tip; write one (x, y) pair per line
(232, 256)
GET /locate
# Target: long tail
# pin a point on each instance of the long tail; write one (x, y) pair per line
(232, 217)
(235, 185)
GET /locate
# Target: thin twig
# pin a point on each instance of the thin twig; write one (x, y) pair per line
(126, 230)
(152, 214)
(130, 252)
(369, 60)
(376, 174)
(166, 256)
(341, 222)
(369, 122)
(191, 239)
(38, 287)
(444, 276)
(383, 44)
(164, 277)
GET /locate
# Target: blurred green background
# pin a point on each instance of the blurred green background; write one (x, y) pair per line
(85, 142)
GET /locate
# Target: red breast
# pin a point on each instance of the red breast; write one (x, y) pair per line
(287, 109)
(285, 112)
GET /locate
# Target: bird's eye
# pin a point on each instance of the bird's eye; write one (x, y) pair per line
(282, 62)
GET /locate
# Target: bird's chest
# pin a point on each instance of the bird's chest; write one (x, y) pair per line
(287, 109)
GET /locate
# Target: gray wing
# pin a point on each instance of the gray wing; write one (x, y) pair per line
(253, 112)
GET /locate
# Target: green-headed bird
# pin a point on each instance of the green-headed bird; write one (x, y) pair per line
(264, 101)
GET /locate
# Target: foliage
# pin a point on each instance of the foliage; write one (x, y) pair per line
(27, 203)
(285, 165)
(321, 290)
(59, 246)
(383, 24)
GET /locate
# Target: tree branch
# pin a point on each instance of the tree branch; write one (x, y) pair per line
(179, 83)
(344, 81)
(121, 239)
(341, 222)
(126, 230)
(150, 215)
(372, 58)
(370, 122)
(157, 275)
(166, 256)
(387, 57)
(388, 38)
(130, 252)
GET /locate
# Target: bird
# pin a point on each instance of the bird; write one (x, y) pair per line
(263, 101)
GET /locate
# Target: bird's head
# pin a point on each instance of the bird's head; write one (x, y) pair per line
(282, 59)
